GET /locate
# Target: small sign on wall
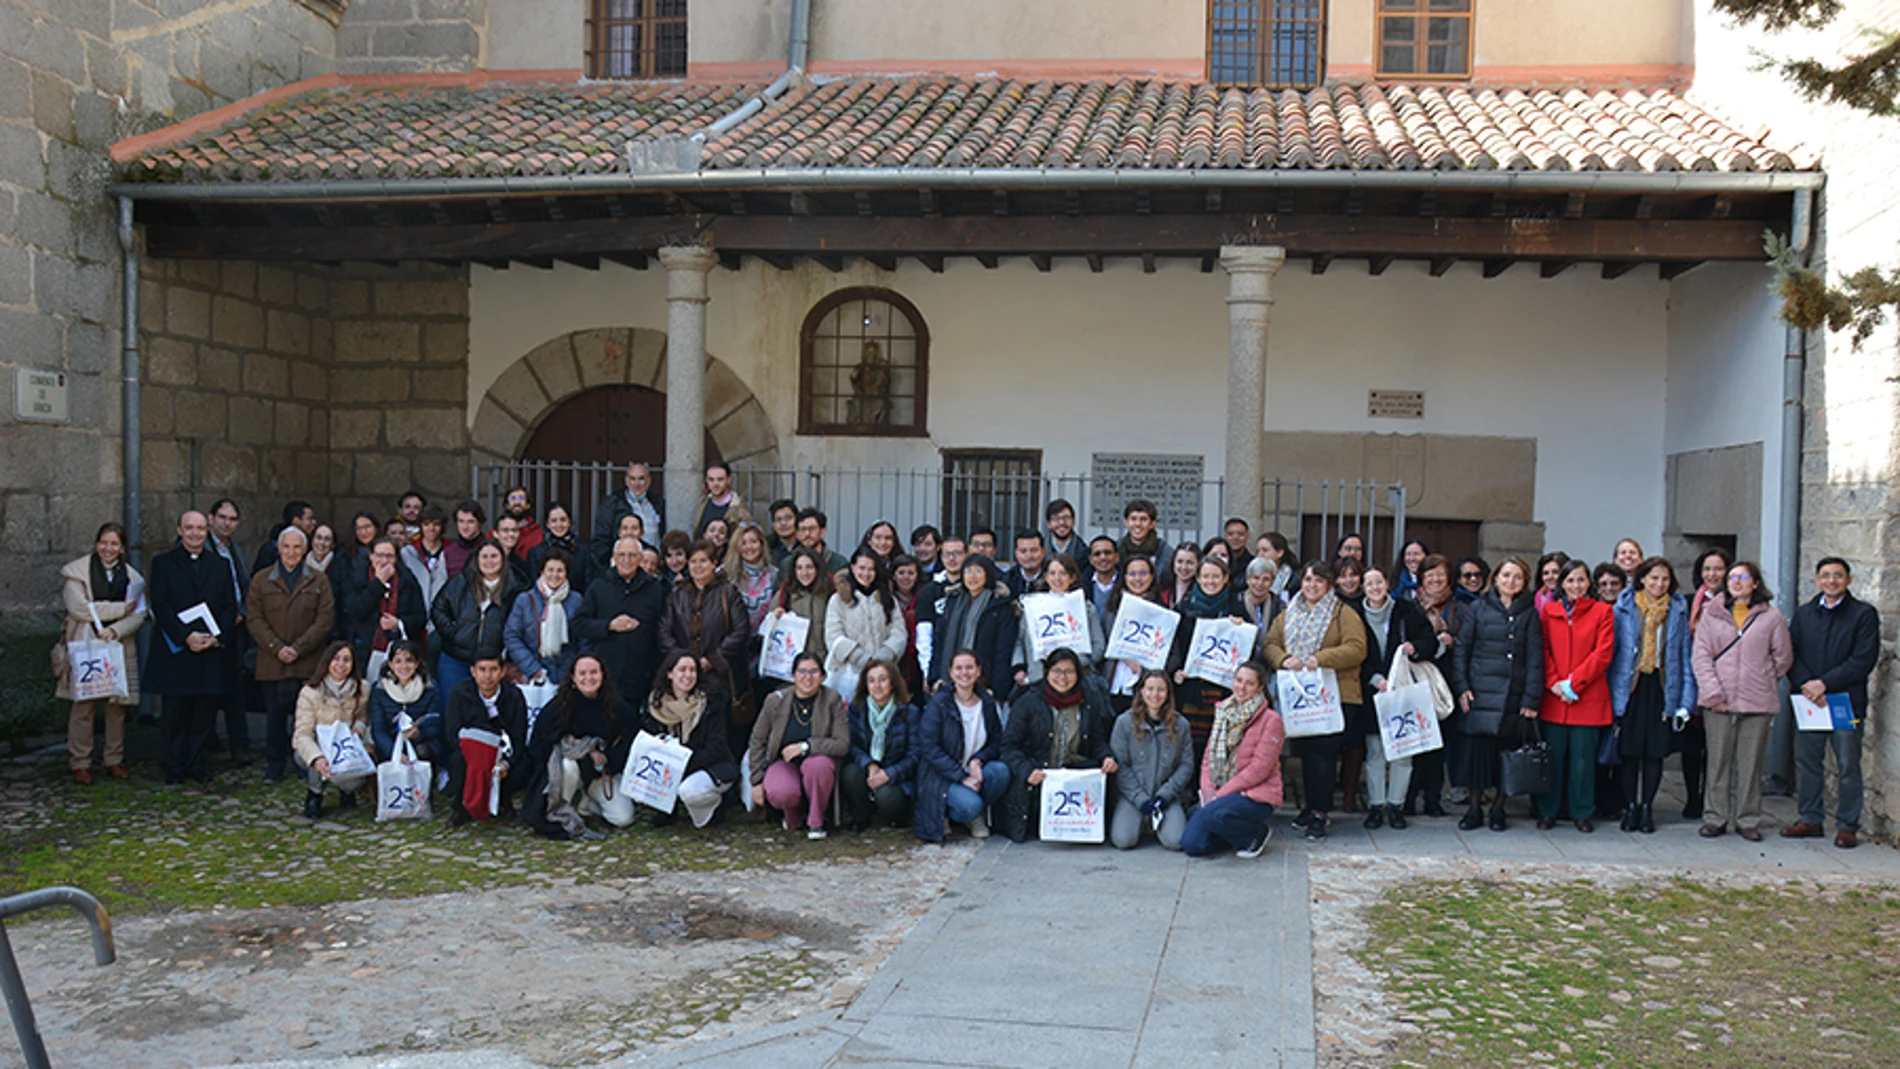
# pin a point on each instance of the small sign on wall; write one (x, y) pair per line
(40, 396)
(1395, 404)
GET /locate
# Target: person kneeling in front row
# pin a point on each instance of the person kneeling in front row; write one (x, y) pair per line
(801, 734)
(696, 717)
(1155, 749)
(1240, 779)
(485, 720)
(880, 779)
(579, 747)
(335, 695)
(1062, 722)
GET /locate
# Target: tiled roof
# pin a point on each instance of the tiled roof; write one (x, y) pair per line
(528, 129)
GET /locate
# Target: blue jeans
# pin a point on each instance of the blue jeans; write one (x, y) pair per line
(1230, 822)
(448, 672)
(963, 805)
(1810, 765)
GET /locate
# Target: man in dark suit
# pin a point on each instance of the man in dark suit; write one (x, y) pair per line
(192, 664)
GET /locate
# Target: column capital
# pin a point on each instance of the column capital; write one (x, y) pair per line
(695, 258)
(686, 269)
(1267, 258)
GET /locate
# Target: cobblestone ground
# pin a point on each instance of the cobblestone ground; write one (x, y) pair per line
(565, 954)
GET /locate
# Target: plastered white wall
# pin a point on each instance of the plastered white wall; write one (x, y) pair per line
(1073, 362)
(1725, 366)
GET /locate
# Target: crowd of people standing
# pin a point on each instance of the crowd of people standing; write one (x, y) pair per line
(522, 656)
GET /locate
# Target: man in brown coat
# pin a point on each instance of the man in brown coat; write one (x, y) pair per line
(289, 613)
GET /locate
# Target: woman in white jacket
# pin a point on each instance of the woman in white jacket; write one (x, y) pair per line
(862, 624)
(105, 600)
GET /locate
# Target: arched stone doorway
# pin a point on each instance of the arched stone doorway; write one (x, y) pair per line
(528, 394)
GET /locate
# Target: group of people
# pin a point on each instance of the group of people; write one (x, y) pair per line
(523, 660)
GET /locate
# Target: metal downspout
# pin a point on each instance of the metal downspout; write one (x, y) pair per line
(129, 392)
(795, 55)
(1793, 397)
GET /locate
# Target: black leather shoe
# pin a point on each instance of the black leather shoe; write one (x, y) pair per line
(1410, 808)
(1472, 820)
(313, 805)
(1375, 817)
(1630, 817)
(1646, 823)
(1546, 823)
(346, 800)
(1395, 817)
(1497, 817)
(1585, 826)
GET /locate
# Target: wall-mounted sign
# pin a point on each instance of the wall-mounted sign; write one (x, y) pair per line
(1171, 480)
(40, 396)
(1395, 404)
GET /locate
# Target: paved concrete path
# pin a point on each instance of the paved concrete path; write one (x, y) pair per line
(1064, 955)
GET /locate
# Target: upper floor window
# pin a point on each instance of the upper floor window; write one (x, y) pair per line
(1266, 42)
(1425, 38)
(636, 39)
(864, 358)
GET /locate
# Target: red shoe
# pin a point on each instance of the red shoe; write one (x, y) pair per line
(82, 776)
(1846, 839)
(1801, 829)
(118, 772)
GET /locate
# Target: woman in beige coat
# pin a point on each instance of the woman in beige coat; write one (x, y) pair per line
(335, 695)
(104, 585)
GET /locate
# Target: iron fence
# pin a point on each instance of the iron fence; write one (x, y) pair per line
(1313, 514)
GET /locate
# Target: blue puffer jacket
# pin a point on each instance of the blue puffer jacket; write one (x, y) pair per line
(1679, 690)
(940, 764)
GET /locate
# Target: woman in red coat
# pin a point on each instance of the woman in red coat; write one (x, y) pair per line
(1579, 640)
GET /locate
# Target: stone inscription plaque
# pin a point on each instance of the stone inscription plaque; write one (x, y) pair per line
(1171, 480)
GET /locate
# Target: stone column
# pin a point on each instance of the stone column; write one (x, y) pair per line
(686, 268)
(1250, 270)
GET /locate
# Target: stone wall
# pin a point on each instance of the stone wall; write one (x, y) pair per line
(415, 35)
(342, 386)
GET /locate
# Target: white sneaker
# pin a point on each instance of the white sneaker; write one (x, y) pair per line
(980, 827)
(1257, 847)
(814, 834)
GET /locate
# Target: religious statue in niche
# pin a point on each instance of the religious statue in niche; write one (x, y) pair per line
(871, 388)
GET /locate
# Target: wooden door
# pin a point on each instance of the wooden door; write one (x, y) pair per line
(616, 424)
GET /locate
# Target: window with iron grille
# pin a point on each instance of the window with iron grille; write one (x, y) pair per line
(1267, 42)
(996, 488)
(636, 39)
(864, 362)
(1425, 38)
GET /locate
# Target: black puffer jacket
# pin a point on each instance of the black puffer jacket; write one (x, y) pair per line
(461, 630)
(1499, 658)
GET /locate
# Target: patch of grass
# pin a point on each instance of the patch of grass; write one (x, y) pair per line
(1683, 974)
(235, 842)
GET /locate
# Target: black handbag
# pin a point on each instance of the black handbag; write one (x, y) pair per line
(1527, 769)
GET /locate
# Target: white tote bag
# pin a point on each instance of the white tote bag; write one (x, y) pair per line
(1056, 622)
(98, 669)
(344, 750)
(1074, 802)
(654, 770)
(1309, 703)
(1220, 647)
(784, 641)
(1408, 716)
(537, 696)
(1143, 633)
(402, 785)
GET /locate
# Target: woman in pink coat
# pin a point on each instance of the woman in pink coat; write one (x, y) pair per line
(1741, 651)
(1240, 775)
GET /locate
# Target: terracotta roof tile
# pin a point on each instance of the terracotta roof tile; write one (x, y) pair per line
(925, 121)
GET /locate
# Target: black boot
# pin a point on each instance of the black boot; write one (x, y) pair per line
(1647, 822)
(313, 805)
(1473, 818)
(1630, 817)
(1375, 817)
(1497, 816)
(1395, 817)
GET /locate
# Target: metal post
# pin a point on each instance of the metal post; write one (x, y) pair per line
(129, 393)
(13, 985)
